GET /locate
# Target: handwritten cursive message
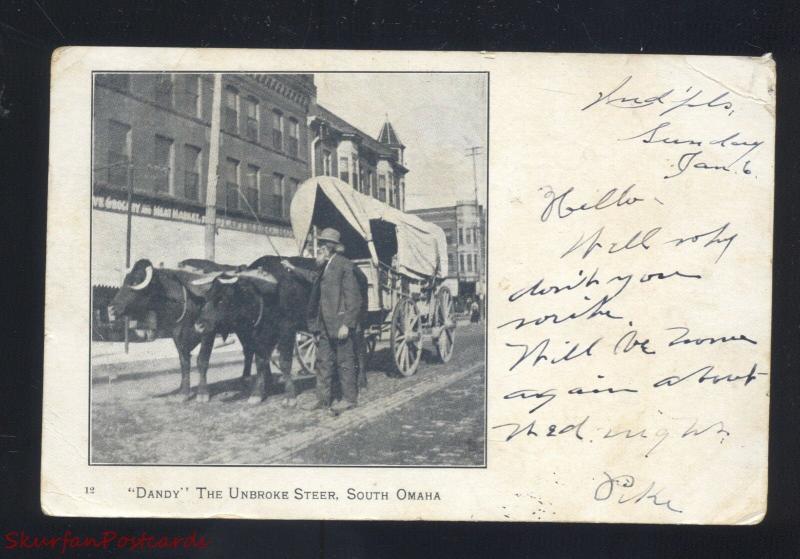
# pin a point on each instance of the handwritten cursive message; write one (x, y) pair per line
(630, 342)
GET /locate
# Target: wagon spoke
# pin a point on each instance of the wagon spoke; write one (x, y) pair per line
(412, 352)
(404, 356)
(305, 342)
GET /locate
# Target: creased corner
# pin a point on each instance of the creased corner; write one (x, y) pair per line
(728, 86)
(63, 60)
(767, 97)
(752, 519)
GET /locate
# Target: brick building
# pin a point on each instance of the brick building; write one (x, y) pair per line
(160, 123)
(373, 167)
(464, 225)
(152, 132)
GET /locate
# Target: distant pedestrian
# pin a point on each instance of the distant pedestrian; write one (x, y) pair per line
(475, 312)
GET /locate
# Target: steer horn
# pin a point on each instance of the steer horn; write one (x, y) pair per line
(234, 279)
(148, 277)
(206, 279)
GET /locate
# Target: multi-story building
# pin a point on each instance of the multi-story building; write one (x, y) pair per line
(373, 167)
(151, 131)
(464, 227)
(152, 139)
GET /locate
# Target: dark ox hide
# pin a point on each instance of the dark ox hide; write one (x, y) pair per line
(262, 319)
(146, 288)
(265, 320)
(272, 265)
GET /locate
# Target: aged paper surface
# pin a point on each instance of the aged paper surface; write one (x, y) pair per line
(627, 268)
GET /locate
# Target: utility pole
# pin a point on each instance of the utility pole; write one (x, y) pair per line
(213, 168)
(128, 244)
(474, 152)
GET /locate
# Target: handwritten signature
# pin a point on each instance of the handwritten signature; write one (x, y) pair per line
(624, 489)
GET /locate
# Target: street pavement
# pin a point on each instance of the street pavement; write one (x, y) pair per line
(435, 417)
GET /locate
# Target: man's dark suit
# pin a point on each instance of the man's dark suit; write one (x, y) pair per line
(335, 301)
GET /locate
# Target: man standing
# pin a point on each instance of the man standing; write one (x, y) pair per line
(333, 312)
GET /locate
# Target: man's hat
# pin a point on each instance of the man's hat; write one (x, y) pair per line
(330, 235)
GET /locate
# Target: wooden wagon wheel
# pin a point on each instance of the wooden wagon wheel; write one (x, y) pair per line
(406, 337)
(305, 351)
(444, 324)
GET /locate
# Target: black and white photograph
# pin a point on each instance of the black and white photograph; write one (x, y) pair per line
(289, 269)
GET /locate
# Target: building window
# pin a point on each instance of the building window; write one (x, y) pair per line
(231, 111)
(362, 180)
(163, 90)
(354, 173)
(327, 163)
(251, 107)
(294, 135)
(190, 95)
(162, 165)
(469, 263)
(344, 172)
(391, 189)
(191, 176)
(251, 188)
(401, 194)
(451, 263)
(119, 153)
(117, 81)
(461, 262)
(276, 201)
(372, 187)
(382, 188)
(460, 236)
(469, 236)
(230, 200)
(277, 130)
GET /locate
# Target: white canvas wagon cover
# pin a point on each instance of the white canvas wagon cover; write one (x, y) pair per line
(421, 246)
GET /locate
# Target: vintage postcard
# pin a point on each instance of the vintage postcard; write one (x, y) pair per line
(408, 285)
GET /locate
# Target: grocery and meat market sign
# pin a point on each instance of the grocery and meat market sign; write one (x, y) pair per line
(146, 209)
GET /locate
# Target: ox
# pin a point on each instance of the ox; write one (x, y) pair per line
(177, 305)
(266, 305)
(272, 265)
(272, 303)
